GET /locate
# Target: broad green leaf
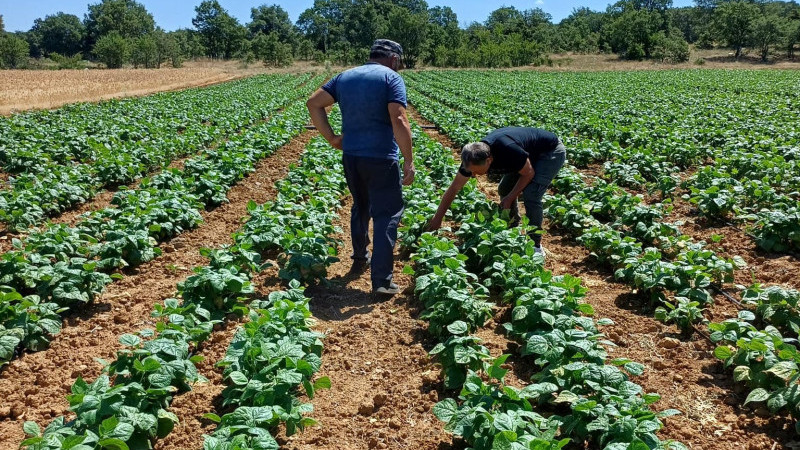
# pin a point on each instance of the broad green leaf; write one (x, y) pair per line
(757, 395)
(238, 378)
(445, 409)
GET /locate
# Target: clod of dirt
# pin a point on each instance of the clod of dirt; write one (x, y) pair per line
(366, 409)
(379, 400)
(669, 343)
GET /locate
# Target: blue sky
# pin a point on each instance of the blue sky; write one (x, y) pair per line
(19, 15)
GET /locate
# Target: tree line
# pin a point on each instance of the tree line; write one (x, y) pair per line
(120, 32)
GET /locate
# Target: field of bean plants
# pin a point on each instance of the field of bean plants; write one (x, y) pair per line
(175, 272)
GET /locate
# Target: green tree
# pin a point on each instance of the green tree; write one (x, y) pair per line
(505, 20)
(59, 33)
(222, 35)
(768, 30)
(305, 50)
(144, 52)
(581, 30)
(14, 52)
(670, 47)
(268, 19)
(734, 23)
(632, 33)
(127, 18)
(409, 30)
(443, 36)
(365, 21)
(269, 49)
(189, 42)
(112, 50)
(166, 48)
(792, 37)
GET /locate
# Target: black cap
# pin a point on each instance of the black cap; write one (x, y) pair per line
(387, 45)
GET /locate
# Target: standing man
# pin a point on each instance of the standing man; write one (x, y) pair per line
(375, 130)
(529, 159)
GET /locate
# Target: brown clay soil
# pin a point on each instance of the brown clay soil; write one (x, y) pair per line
(682, 370)
(762, 267)
(34, 386)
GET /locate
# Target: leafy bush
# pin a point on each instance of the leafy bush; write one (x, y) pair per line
(13, 52)
(671, 48)
(113, 50)
(68, 62)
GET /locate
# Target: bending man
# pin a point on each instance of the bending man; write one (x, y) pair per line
(529, 159)
(375, 130)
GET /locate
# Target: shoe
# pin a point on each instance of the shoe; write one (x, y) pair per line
(391, 289)
(540, 251)
(361, 264)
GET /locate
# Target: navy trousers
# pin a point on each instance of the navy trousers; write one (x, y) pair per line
(545, 169)
(377, 191)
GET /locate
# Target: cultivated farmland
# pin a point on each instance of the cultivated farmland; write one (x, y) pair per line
(175, 272)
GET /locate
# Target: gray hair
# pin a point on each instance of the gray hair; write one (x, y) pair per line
(475, 153)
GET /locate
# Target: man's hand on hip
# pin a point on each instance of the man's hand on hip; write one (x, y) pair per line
(408, 174)
(336, 141)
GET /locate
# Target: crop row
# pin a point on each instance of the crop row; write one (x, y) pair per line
(589, 398)
(678, 274)
(62, 266)
(64, 160)
(748, 157)
(269, 359)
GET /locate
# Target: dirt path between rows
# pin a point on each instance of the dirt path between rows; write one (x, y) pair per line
(34, 386)
(383, 384)
(376, 355)
(683, 371)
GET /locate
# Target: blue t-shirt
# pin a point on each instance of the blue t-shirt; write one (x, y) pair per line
(364, 94)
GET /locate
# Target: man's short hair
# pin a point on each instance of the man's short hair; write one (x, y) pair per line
(384, 48)
(475, 153)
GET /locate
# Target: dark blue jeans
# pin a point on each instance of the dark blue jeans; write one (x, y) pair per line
(377, 192)
(545, 169)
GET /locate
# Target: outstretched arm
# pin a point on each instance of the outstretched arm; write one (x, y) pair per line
(316, 108)
(447, 200)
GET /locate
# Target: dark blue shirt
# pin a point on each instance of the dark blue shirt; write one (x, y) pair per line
(364, 94)
(511, 146)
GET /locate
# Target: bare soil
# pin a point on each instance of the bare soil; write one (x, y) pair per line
(34, 386)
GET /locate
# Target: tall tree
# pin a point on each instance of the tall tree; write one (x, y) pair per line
(365, 21)
(734, 23)
(323, 23)
(267, 19)
(223, 35)
(410, 30)
(128, 18)
(505, 20)
(189, 42)
(59, 33)
(112, 50)
(13, 52)
(768, 30)
(443, 36)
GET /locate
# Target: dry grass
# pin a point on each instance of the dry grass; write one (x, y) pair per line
(45, 89)
(711, 59)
